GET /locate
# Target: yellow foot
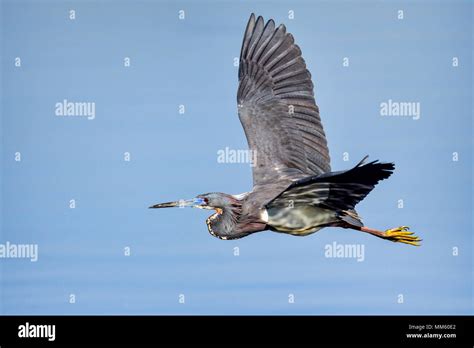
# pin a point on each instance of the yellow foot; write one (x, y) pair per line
(402, 235)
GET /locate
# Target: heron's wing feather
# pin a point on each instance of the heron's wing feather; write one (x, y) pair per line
(337, 190)
(277, 107)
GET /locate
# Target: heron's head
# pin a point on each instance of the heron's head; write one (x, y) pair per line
(227, 207)
(214, 200)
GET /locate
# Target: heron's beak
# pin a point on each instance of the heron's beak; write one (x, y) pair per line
(195, 202)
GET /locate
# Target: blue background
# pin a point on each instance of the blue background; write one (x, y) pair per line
(173, 156)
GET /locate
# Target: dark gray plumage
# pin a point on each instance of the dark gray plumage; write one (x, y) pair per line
(276, 105)
(294, 190)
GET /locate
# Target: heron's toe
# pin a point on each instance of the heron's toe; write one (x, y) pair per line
(402, 235)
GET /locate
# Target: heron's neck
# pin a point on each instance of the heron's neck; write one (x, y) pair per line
(221, 224)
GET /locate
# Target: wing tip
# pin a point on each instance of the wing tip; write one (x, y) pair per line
(282, 27)
(364, 160)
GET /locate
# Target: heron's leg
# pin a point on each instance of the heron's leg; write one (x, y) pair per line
(399, 234)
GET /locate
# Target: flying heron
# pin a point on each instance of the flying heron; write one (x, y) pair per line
(294, 190)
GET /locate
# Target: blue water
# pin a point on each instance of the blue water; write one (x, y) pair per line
(174, 156)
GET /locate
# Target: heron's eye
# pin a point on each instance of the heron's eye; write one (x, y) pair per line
(206, 201)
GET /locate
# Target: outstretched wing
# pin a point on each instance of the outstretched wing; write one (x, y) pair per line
(277, 107)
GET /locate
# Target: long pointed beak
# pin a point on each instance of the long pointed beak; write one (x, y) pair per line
(195, 202)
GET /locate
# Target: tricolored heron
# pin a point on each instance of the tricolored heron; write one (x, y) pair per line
(294, 190)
